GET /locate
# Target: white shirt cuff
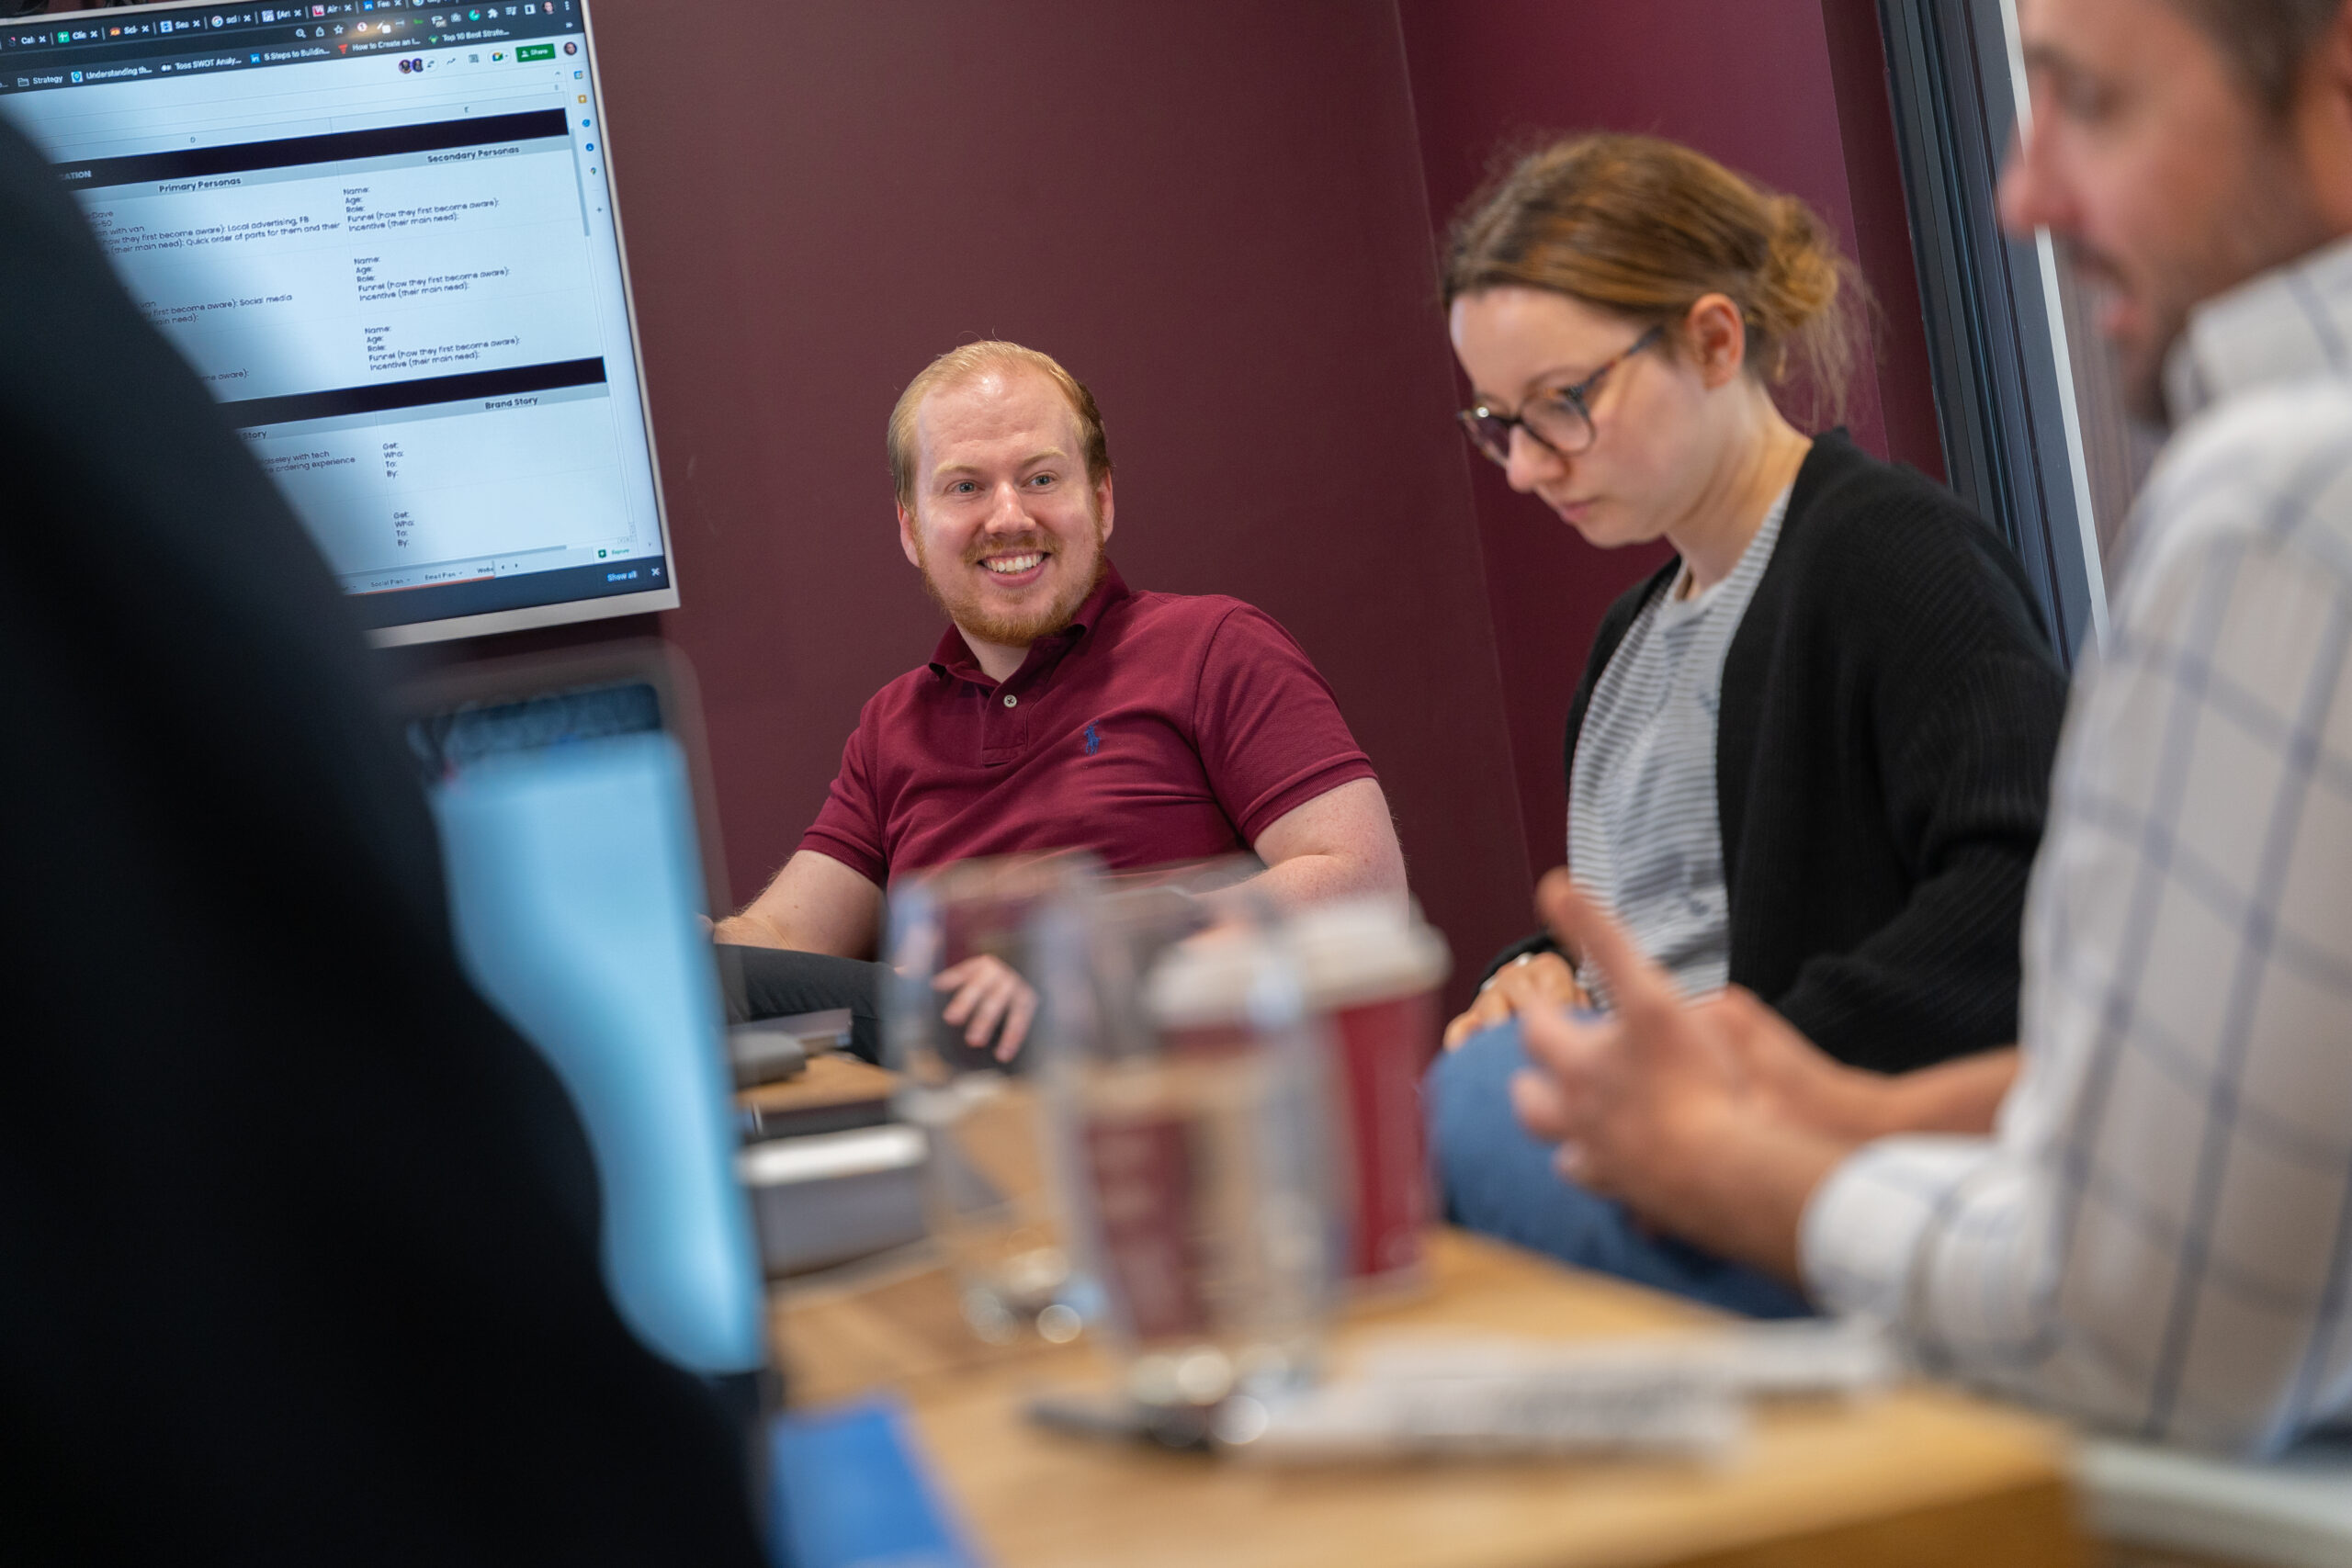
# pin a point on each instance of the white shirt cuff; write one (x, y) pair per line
(1859, 1240)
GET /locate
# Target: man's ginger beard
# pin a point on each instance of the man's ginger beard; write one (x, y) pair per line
(1014, 631)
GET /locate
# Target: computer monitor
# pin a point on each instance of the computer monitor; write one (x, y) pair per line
(383, 233)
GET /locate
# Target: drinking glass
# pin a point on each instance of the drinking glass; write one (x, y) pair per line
(989, 1189)
(1188, 1088)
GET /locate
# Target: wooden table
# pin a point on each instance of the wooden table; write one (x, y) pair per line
(833, 1092)
(830, 1078)
(1920, 1477)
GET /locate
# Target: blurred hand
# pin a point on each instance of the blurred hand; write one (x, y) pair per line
(1793, 1081)
(1634, 1097)
(1531, 981)
(1680, 1109)
(987, 993)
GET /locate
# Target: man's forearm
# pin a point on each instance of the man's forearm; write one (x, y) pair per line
(1313, 878)
(1743, 1187)
(747, 930)
(1960, 1096)
(814, 904)
(1742, 1192)
(1340, 845)
(1855, 1104)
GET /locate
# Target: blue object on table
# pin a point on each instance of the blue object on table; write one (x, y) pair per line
(853, 1493)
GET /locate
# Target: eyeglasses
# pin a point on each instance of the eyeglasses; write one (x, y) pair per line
(1560, 419)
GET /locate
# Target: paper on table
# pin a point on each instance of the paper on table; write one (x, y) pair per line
(1682, 1395)
(1483, 1418)
(1814, 1356)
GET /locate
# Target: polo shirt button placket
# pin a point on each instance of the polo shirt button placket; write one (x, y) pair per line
(1005, 740)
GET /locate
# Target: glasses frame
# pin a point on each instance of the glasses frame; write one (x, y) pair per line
(1578, 397)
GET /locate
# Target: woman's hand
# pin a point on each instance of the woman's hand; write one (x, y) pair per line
(1531, 980)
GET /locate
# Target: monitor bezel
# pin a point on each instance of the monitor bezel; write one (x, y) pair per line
(567, 612)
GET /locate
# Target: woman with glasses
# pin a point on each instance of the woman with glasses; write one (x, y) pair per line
(1810, 754)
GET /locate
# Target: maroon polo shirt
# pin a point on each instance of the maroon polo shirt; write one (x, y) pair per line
(1157, 728)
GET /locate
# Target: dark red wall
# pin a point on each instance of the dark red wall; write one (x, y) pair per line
(1218, 213)
(1791, 92)
(1213, 212)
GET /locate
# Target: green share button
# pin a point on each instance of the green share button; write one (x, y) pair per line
(536, 51)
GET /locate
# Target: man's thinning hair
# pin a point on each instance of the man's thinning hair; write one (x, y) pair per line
(2266, 41)
(960, 365)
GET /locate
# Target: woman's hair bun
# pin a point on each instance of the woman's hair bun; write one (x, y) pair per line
(1646, 227)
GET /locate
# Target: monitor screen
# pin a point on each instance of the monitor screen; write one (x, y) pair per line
(383, 233)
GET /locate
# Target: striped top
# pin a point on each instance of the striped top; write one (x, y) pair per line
(1645, 833)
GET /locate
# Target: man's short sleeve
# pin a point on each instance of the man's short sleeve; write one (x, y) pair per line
(1270, 732)
(849, 828)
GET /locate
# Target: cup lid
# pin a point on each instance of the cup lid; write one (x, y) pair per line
(1219, 976)
(1354, 948)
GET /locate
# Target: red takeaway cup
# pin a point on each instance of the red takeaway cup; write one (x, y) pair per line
(1374, 972)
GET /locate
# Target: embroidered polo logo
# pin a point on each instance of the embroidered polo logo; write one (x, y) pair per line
(1093, 740)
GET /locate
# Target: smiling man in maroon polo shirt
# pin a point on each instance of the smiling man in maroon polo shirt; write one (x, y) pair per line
(1062, 710)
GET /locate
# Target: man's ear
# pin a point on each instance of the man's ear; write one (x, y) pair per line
(1716, 336)
(906, 536)
(1102, 504)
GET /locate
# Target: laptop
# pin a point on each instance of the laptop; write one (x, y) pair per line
(566, 789)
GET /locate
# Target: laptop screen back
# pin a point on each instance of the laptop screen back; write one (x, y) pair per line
(574, 882)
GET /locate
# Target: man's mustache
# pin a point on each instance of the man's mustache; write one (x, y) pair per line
(975, 553)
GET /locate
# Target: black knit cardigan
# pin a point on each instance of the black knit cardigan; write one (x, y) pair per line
(1889, 717)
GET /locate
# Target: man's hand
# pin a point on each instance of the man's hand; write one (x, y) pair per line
(1791, 1079)
(1532, 980)
(1628, 1095)
(1654, 1104)
(987, 991)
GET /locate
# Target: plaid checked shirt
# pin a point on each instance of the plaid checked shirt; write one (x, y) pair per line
(2157, 1238)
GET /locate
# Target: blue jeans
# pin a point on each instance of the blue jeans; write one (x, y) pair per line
(1494, 1177)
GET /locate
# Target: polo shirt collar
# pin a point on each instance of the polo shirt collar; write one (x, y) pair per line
(1107, 592)
(953, 659)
